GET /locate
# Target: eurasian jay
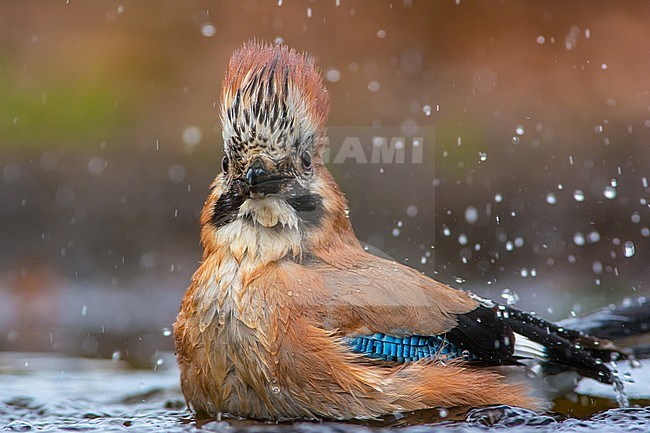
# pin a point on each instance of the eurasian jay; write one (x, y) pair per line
(288, 317)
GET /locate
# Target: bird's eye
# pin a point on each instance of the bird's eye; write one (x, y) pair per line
(305, 158)
(225, 164)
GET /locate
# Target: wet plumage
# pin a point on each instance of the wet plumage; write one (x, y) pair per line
(289, 317)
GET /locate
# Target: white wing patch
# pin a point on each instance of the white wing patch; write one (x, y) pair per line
(527, 348)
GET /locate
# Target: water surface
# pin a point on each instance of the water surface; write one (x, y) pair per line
(57, 394)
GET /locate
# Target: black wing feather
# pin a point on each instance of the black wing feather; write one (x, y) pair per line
(490, 333)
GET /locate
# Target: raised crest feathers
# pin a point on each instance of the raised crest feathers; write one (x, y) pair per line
(271, 93)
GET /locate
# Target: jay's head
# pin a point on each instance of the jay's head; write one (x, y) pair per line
(273, 111)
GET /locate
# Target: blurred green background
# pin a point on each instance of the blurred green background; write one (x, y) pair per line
(535, 179)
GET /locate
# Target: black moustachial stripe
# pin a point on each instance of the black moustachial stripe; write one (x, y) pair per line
(227, 206)
(310, 207)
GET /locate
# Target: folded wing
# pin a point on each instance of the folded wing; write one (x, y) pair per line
(387, 311)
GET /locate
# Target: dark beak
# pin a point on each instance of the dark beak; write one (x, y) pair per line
(263, 180)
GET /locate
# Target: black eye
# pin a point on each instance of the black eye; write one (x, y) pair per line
(225, 164)
(305, 158)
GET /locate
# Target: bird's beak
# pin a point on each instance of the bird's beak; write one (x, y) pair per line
(263, 177)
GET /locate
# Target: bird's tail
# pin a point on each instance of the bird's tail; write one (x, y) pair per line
(627, 324)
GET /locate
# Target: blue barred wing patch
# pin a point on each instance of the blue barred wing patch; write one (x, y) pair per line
(406, 349)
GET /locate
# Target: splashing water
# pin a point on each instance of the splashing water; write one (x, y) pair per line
(511, 297)
(621, 396)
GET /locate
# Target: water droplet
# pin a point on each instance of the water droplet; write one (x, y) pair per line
(275, 389)
(427, 110)
(483, 156)
(332, 75)
(551, 198)
(579, 239)
(117, 355)
(498, 198)
(167, 332)
(374, 86)
(609, 192)
(96, 165)
(208, 30)
(578, 195)
(177, 173)
(412, 211)
(446, 231)
(593, 237)
(192, 136)
(597, 267)
(471, 214)
(519, 130)
(629, 248)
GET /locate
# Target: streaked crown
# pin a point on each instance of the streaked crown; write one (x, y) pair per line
(273, 101)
